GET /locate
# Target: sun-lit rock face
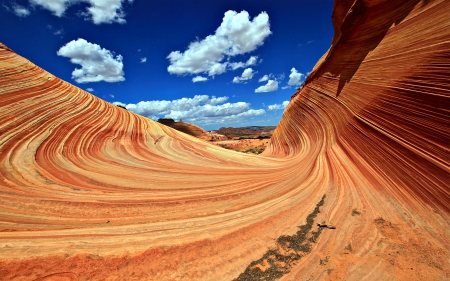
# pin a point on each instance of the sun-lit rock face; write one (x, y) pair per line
(89, 191)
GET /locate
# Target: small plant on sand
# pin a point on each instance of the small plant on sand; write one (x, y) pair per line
(355, 212)
(349, 247)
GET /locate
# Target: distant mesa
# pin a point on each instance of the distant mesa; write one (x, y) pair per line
(245, 139)
(250, 132)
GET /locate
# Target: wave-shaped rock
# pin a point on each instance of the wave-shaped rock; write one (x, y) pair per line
(89, 191)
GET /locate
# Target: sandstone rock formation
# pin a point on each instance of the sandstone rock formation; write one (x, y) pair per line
(185, 127)
(192, 129)
(89, 191)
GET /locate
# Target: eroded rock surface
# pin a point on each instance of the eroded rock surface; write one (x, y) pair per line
(89, 191)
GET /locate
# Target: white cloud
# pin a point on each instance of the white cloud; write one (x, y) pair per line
(278, 106)
(199, 79)
(106, 11)
(59, 32)
(97, 64)
(144, 59)
(274, 106)
(20, 11)
(253, 60)
(58, 7)
(111, 95)
(246, 75)
(272, 85)
(295, 78)
(99, 11)
(90, 90)
(200, 109)
(264, 78)
(236, 35)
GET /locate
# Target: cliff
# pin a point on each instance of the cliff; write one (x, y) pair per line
(89, 191)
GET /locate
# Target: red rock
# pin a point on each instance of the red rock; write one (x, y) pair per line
(369, 129)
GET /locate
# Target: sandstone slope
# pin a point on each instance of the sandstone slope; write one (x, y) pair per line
(89, 191)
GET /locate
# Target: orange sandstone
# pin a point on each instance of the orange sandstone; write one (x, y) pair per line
(89, 191)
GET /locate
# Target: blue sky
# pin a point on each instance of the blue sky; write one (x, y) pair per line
(213, 63)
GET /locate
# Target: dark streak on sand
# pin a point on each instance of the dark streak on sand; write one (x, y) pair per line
(289, 249)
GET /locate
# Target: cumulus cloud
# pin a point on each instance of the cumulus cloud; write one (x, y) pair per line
(264, 78)
(295, 78)
(199, 79)
(57, 7)
(97, 64)
(272, 85)
(99, 11)
(278, 106)
(144, 59)
(246, 75)
(90, 89)
(253, 60)
(201, 109)
(236, 35)
(20, 11)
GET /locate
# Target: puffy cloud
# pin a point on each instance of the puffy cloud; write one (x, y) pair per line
(264, 78)
(90, 89)
(200, 109)
(144, 59)
(278, 106)
(58, 7)
(253, 60)
(246, 75)
(20, 11)
(100, 11)
(199, 79)
(97, 64)
(106, 11)
(272, 85)
(236, 35)
(295, 78)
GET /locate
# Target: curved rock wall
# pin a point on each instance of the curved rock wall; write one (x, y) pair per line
(89, 191)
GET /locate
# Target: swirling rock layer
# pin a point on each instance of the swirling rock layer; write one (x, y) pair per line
(89, 191)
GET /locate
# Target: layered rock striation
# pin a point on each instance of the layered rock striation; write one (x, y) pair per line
(89, 191)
